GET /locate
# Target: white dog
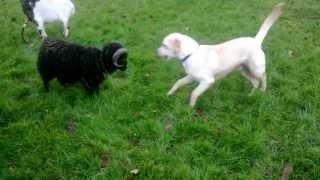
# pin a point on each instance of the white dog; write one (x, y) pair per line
(208, 63)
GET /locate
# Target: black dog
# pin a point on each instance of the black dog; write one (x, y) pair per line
(70, 63)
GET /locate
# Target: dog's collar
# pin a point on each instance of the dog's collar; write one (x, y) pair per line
(185, 58)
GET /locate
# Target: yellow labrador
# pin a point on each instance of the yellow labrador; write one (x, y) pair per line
(208, 63)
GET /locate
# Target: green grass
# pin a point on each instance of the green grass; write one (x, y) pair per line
(64, 134)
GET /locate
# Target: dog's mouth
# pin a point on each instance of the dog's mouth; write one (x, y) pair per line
(165, 57)
(162, 55)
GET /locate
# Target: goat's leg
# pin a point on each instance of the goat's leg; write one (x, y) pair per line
(22, 31)
(66, 27)
(42, 33)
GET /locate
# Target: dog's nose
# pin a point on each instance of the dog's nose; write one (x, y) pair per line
(159, 51)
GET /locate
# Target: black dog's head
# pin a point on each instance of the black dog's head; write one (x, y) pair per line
(115, 57)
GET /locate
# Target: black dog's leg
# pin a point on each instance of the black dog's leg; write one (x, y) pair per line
(46, 85)
(87, 86)
(96, 90)
(45, 81)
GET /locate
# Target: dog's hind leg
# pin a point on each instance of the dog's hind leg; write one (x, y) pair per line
(255, 82)
(257, 69)
(263, 82)
(179, 84)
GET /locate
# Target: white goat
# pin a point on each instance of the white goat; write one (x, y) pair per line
(43, 11)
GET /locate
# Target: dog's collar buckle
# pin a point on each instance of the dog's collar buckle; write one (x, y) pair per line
(185, 58)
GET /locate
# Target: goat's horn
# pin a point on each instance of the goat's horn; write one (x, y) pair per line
(116, 56)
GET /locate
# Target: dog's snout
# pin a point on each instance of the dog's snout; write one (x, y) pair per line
(159, 52)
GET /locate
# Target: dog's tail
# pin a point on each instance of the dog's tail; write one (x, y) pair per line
(268, 22)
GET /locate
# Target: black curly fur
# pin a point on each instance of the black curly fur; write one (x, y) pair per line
(70, 63)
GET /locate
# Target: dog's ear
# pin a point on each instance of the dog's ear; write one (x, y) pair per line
(176, 43)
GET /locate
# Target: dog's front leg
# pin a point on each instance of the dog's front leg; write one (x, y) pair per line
(180, 83)
(201, 88)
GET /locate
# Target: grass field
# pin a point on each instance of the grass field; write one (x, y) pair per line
(132, 124)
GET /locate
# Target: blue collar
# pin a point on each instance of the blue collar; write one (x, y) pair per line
(185, 58)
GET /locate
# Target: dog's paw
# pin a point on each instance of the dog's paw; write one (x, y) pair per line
(192, 105)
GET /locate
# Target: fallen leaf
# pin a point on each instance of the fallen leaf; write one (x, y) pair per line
(125, 163)
(71, 127)
(200, 112)
(136, 114)
(220, 131)
(290, 53)
(169, 126)
(134, 171)
(134, 142)
(130, 178)
(104, 157)
(287, 171)
(31, 45)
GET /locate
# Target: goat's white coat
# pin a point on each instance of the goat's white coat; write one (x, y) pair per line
(53, 10)
(208, 63)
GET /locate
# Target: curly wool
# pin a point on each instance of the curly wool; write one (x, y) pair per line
(70, 63)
